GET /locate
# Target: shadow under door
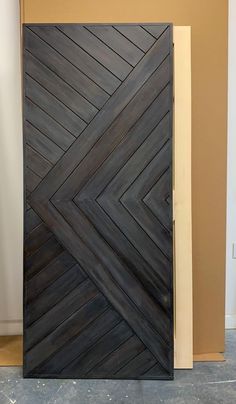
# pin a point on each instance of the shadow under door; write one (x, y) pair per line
(98, 201)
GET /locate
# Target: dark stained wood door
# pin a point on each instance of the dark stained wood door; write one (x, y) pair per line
(98, 210)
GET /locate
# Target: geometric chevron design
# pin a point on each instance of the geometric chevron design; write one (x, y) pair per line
(98, 282)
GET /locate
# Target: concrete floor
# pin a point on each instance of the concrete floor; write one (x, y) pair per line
(206, 383)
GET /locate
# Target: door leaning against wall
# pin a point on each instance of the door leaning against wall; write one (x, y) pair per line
(98, 201)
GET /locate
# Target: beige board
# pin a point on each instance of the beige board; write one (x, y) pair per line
(182, 199)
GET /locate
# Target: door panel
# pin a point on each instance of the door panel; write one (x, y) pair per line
(98, 217)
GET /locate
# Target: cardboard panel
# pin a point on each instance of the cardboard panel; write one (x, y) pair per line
(209, 93)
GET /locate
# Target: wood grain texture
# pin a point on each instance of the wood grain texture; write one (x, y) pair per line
(183, 200)
(98, 234)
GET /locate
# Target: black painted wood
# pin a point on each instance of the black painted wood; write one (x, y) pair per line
(98, 223)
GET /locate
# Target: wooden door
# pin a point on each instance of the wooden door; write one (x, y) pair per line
(98, 210)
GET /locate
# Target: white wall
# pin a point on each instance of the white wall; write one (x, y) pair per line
(11, 176)
(231, 181)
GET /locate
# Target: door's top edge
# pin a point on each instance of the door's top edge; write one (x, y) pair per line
(96, 23)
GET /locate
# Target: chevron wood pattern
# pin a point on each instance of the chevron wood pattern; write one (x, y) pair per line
(98, 208)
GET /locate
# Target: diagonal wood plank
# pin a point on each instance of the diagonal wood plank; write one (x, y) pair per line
(118, 358)
(140, 364)
(47, 125)
(53, 107)
(155, 29)
(78, 57)
(136, 35)
(32, 220)
(41, 257)
(41, 143)
(32, 180)
(157, 198)
(76, 297)
(132, 200)
(61, 67)
(107, 344)
(48, 298)
(59, 265)
(68, 329)
(59, 88)
(83, 341)
(98, 50)
(122, 46)
(36, 163)
(36, 238)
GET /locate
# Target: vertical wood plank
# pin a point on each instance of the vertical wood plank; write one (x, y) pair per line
(182, 199)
